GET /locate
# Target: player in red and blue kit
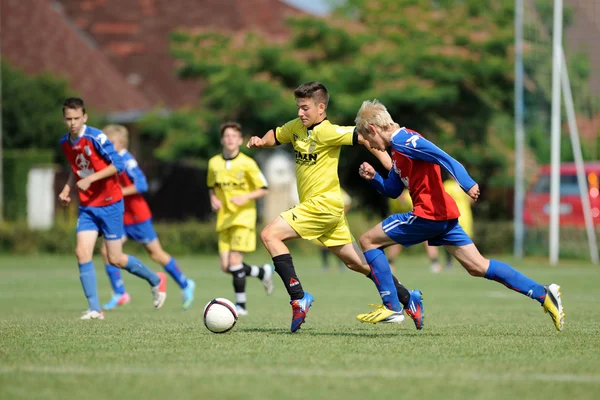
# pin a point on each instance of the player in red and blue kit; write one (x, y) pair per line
(94, 165)
(138, 224)
(434, 218)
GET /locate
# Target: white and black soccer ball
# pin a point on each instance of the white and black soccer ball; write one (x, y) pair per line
(220, 315)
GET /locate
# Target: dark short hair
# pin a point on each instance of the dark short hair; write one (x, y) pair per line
(73, 103)
(230, 124)
(315, 91)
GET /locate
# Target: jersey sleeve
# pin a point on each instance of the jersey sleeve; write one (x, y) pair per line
(283, 134)
(136, 175)
(256, 176)
(210, 176)
(336, 135)
(105, 148)
(419, 148)
(391, 187)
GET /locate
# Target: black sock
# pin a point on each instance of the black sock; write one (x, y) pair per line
(248, 270)
(325, 257)
(403, 293)
(284, 266)
(239, 286)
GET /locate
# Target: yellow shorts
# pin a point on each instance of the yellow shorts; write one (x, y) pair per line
(320, 218)
(237, 238)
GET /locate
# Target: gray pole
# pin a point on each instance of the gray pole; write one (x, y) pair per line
(555, 137)
(519, 198)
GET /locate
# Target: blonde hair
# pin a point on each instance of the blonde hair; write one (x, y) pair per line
(372, 113)
(118, 131)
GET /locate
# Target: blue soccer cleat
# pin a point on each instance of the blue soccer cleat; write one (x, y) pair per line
(300, 309)
(188, 294)
(117, 300)
(415, 308)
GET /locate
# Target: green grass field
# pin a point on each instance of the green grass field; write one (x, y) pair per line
(480, 340)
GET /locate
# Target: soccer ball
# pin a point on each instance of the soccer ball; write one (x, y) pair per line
(220, 315)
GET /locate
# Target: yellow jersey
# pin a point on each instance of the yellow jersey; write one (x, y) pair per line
(317, 154)
(463, 201)
(230, 178)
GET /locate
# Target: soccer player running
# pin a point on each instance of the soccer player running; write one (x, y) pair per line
(416, 166)
(138, 225)
(235, 182)
(320, 214)
(94, 166)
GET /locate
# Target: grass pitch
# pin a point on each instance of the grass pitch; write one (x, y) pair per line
(480, 341)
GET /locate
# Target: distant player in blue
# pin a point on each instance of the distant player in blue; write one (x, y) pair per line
(416, 166)
(138, 225)
(94, 168)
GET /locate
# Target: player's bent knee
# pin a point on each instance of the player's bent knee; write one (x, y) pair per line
(365, 242)
(83, 254)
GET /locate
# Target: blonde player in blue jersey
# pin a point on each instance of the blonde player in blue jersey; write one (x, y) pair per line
(320, 215)
(235, 183)
(416, 166)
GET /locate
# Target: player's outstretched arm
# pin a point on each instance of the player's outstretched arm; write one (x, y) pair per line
(268, 140)
(420, 148)
(391, 187)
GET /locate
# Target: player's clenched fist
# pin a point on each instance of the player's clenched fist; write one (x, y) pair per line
(255, 142)
(64, 198)
(366, 171)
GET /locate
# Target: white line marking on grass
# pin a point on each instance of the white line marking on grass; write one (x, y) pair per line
(299, 372)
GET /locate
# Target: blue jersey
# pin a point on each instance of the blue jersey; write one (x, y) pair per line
(136, 208)
(416, 166)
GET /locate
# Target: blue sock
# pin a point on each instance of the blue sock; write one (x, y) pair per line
(114, 276)
(87, 275)
(137, 268)
(513, 279)
(381, 275)
(173, 270)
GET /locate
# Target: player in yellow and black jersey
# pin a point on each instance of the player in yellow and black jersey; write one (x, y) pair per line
(320, 215)
(235, 182)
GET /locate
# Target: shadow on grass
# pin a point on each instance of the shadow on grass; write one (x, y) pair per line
(365, 333)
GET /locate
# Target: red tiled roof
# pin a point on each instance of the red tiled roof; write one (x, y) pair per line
(36, 37)
(134, 34)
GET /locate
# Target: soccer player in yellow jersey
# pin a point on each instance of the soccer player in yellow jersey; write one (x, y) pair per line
(235, 182)
(320, 214)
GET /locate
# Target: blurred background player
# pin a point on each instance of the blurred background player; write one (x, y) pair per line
(325, 253)
(235, 182)
(464, 204)
(94, 168)
(403, 204)
(138, 225)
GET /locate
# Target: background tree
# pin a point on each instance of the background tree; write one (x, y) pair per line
(441, 68)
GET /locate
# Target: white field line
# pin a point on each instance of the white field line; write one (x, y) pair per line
(295, 372)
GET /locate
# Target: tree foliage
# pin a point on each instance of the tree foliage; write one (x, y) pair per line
(31, 109)
(443, 68)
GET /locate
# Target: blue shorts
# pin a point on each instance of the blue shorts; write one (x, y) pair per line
(408, 230)
(107, 220)
(142, 233)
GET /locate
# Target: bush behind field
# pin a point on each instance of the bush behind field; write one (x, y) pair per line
(194, 237)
